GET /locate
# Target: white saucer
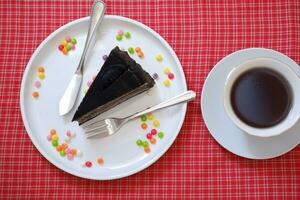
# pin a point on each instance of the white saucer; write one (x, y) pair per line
(223, 129)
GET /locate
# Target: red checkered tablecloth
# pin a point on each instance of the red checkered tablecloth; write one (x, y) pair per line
(201, 33)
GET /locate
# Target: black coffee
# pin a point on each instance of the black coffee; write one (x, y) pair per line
(261, 97)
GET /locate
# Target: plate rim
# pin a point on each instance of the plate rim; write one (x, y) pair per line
(204, 86)
(129, 172)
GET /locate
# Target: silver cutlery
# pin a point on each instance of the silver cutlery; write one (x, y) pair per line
(70, 95)
(109, 126)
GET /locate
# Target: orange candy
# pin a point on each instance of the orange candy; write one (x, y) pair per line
(140, 54)
(59, 148)
(41, 69)
(52, 132)
(64, 146)
(35, 94)
(144, 126)
(73, 152)
(147, 149)
(100, 161)
(152, 140)
(137, 49)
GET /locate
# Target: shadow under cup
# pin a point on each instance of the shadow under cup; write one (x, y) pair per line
(250, 79)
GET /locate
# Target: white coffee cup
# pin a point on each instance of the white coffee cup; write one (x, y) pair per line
(285, 71)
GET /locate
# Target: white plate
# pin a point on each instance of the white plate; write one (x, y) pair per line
(122, 157)
(223, 129)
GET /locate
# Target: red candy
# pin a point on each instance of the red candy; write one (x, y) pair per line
(153, 131)
(171, 75)
(149, 136)
(88, 163)
(61, 47)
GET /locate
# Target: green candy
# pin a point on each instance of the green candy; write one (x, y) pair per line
(67, 46)
(160, 134)
(144, 118)
(119, 37)
(139, 142)
(54, 143)
(73, 41)
(62, 153)
(145, 144)
(127, 35)
(131, 50)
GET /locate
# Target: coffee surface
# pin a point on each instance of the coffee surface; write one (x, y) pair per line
(261, 97)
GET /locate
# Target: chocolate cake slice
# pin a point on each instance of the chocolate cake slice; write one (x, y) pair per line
(119, 79)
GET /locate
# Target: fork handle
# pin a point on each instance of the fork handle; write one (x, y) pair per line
(181, 98)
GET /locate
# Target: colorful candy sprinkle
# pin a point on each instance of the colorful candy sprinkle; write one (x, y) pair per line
(119, 37)
(156, 123)
(147, 149)
(160, 134)
(35, 94)
(166, 70)
(41, 69)
(70, 156)
(152, 140)
(68, 133)
(145, 144)
(64, 42)
(150, 116)
(73, 152)
(54, 137)
(73, 41)
(67, 139)
(54, 143)
(89, 83)
(65, 51)
(149, 136)
(49, 137)
(140, 54)
(120, 32)
(127, 35)
(67, 46)
(53, 131)
(137, 49)
(144, 126)
(85, 90)
(61, 47)
(167, 82)
(139, 142)
(37, 84)
(62, 153)
(144, 118)
(159, 57)
(41, 75)
(100, 161)
(67, 150)
(68, 38)
(171, 76)
(153, 131)
(131, 50)
(79, 153)
(72, 46)
(64, 146)
(59, 148)
(88, 164)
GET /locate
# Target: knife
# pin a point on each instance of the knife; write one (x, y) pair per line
(69, 97)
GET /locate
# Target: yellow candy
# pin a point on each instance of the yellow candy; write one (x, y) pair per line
(150, 116)
(166, 70)
(167, 82)
(41, 75)
(54, 137)
(85, 90)
(156, 123)
(159, 57)
(64, 42)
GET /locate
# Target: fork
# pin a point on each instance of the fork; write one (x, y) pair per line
(109, 126)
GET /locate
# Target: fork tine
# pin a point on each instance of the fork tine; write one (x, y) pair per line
(96, 129)
(95, 125)
(92, 134)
